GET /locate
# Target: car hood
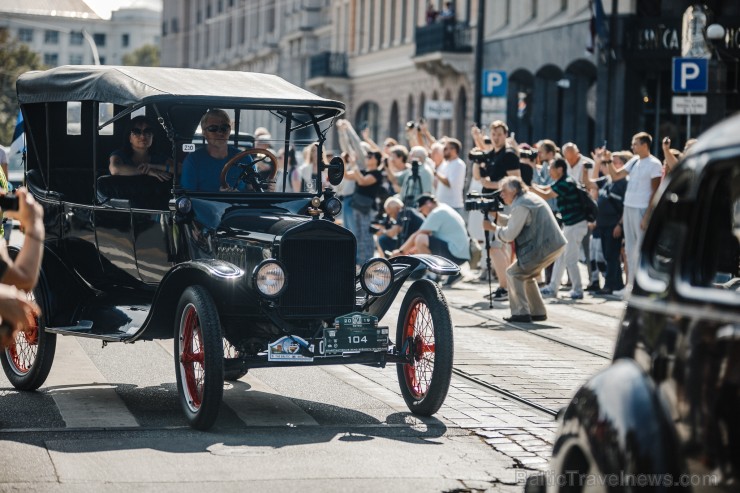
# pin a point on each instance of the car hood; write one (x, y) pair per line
(247, 220)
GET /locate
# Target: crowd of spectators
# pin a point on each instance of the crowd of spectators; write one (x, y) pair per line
(420, 188)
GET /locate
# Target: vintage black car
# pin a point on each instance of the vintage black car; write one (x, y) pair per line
(240, 280)
(666, 413)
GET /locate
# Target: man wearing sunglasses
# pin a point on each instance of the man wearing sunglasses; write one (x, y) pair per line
(201, 171)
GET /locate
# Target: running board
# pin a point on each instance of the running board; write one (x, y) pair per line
(84, 329)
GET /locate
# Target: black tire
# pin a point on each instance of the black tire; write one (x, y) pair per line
(28, 362)
(425, 330)
(199, 357)
(231, 358)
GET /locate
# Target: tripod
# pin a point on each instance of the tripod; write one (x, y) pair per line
(487, 237)
(413, 190)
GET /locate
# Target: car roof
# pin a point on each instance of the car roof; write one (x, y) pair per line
(724, 134)
(138, 86)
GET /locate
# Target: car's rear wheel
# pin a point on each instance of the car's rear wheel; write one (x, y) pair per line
(27, 362)
(424, 333)
(199, 357)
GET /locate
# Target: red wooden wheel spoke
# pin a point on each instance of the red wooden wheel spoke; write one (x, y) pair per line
(419, 331)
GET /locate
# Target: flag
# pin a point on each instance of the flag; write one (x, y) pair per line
(19, 142)
(599, 34)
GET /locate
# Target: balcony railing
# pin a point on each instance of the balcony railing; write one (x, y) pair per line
(443, 36)
(329, 64)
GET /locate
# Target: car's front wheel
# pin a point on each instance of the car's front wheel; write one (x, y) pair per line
(424, 334)
(199, 357)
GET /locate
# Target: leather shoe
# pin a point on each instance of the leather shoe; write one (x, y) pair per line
(604, 291)
(539, 318)
(523, 319)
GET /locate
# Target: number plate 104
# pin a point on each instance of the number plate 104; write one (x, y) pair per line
(342, 340)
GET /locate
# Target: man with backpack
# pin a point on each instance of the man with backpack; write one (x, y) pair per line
(575, 227)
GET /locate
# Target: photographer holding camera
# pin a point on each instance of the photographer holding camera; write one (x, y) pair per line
(442, 233)
(489, 168)
(398, 223)
(532, 227)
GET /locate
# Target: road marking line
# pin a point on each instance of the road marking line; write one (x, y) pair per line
(81, 393)
(258, 404)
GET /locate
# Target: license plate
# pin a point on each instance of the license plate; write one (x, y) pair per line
(338, 341)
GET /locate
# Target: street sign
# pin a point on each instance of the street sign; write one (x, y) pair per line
(689, 105)
(441, 110)
(494, 83)
(690, 74)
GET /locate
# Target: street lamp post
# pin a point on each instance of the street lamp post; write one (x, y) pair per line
(480, 32)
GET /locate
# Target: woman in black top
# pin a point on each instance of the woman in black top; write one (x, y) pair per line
(363, 205)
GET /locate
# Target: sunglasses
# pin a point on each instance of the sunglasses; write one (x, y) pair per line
(223, 128)
(145, 131)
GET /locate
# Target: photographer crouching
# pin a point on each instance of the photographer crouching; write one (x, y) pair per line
(397, 224)
(532, 227)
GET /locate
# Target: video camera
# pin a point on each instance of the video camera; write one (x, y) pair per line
(415, 167)
(487, 202)
(479, 155)
(384, 222)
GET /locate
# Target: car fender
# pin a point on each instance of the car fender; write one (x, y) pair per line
(615, 426)
(222, 279)
(405, 267)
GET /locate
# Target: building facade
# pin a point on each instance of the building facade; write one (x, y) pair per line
(574, 72)
(64, 32)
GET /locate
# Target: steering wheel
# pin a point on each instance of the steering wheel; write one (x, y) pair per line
(258, 174)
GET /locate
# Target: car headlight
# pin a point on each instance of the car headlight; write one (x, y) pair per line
(333, 206)
(270, 279)
(376, 276)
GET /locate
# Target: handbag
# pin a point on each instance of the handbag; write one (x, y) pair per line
(362, 203)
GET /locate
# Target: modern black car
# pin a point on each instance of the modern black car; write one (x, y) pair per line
(666, 413)
(239, 280)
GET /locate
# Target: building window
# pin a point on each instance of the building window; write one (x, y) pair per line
(199, 17)
(220, 6)
(51, 37)
(25, 35)
(76, 59)
(563, 5)
(507, 13)
(99, 39)
(124, 40)
(164, 28)
(102, 60)
(208, 11)
(231, 3)
(76, 38)
(51, 59)
(175, 26)
(534, 9)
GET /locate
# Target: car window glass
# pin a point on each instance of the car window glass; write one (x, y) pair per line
(105, 113)
(74, 118)
(718, 253)
(671, 228)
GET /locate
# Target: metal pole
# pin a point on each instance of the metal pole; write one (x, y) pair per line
(94, 47)
(688, 119)
(479, 35)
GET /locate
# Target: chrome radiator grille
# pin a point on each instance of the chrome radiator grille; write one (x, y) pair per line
(321, 275)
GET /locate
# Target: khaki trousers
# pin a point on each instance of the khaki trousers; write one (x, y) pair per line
(524, 294)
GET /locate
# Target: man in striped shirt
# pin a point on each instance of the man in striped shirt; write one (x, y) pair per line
(565, 190)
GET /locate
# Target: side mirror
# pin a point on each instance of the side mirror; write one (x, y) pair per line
(335, 170)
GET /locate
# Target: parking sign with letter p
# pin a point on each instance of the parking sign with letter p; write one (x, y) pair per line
(690, 74)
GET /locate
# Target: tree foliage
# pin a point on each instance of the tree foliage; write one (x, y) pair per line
(146, 56)
(15, 58)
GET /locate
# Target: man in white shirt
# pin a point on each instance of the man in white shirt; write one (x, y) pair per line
(645, 172)
(451, 177)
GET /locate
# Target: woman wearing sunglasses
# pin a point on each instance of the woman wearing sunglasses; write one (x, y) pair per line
(136, 156)
(201, 170)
